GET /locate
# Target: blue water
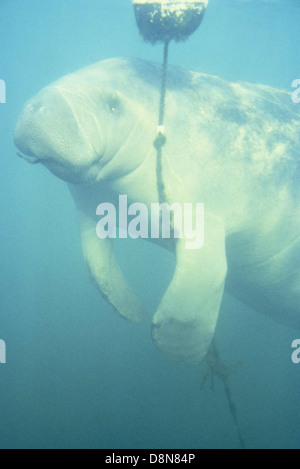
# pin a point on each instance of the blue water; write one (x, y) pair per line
(78, 376)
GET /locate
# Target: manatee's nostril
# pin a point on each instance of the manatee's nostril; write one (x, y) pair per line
(43, 109)
(36, 108)
(32, 107)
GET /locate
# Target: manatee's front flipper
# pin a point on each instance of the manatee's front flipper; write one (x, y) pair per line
(105, 271)
(184, 325)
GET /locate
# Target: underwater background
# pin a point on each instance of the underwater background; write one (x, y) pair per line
(77, 375)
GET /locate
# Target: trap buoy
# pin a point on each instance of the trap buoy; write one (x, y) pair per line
(167, 20)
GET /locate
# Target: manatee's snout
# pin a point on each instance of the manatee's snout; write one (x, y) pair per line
(55, 130)
(37, 127)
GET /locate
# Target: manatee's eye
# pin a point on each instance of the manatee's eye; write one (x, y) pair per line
(114, 105)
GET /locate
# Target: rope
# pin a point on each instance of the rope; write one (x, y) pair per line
(234, 415)
(161, 139)
(163, 85)
(217, 368)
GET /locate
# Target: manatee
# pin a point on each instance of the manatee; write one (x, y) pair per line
(232, 146)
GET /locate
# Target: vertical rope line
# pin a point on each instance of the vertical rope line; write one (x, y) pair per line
(163, 85)
(234, 415)
(160, 140)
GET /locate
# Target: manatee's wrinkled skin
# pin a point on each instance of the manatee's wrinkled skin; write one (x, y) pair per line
(233, 147)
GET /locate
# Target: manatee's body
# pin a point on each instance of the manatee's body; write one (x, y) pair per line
(233, 147)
